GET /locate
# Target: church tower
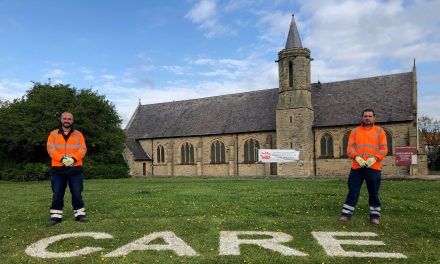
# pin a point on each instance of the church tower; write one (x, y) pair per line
(294, 114)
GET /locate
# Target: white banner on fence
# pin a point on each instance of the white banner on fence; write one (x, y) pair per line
(278, 155)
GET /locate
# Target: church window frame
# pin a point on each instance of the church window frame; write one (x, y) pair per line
(389, 136)
(218, 152)
(327, 146)
(290, 74)
(186, 154)
(251, 147)
(160, 154)
(345, 138)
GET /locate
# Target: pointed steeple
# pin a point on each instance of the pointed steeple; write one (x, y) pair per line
(293, 39)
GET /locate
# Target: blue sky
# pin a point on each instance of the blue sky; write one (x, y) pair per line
(165, 50)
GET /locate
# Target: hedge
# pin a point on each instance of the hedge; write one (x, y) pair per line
(41, 171)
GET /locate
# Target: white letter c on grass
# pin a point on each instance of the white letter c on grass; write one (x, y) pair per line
(39, 248)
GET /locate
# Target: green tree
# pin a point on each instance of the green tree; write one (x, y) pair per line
(3, 102)
(25, 124)
(430, 129)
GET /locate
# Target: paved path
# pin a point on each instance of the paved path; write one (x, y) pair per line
(416, 177)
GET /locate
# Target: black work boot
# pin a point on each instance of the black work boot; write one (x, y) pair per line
(375, 221)
(53, 221)
(82, 219)
(344, 218)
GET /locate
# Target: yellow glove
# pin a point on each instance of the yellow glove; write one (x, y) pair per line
(68, 162)
(370, 162)
(360, 161)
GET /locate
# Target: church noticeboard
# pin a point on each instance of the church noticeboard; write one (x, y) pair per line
(404, 155)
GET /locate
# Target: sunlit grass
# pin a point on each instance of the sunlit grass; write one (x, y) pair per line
(196, 210)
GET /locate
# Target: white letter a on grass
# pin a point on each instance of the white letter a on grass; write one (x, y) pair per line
(173, 243)
(230, 242)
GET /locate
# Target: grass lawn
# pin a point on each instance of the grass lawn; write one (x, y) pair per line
(196, 210)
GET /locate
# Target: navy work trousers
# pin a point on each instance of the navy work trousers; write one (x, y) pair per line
(59, 184)
(355, 179)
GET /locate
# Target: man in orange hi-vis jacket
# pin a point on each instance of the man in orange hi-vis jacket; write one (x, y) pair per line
(67, 147)
(367, 147)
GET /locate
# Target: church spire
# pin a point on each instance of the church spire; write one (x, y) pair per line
(293, 39)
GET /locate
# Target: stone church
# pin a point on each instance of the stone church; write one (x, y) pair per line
(221, 135)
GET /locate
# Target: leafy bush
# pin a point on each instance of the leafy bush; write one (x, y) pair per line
(11, 173)
(41, 171)
(26, 172)
(105, 171)
(35, 172)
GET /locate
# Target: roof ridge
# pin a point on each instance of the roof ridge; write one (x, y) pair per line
(364, 78)
(213, 96)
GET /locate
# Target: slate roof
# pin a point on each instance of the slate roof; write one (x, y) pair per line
(138, 153)
(341, 103)
(293, 39)
(226, 114)
(335, 104)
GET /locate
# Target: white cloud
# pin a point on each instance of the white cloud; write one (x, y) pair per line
(56, 73)
(85, 70)
(221, 62)
(178, 70)
(88, 74)
(366, 34)
(275, 25)
(234, 5)
(226, 76)
(205, 13)
(428, 104)
(128, 80)
(12, 89)
(348, 39)
(423, 52)
(202, 12)
(108, 77)
(203, 61)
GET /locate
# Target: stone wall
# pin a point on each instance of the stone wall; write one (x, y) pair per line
(136, 168)
(292, 134)
(234, 149)
(203, 166)
(339, 165)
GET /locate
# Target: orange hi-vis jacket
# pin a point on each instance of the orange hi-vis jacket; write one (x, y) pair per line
(367, 143)
(58, 147)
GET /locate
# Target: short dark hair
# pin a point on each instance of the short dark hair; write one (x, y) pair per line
(368, 110)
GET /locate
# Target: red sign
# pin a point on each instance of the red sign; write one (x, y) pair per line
(403, 155)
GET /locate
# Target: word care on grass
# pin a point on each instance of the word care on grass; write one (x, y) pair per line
(229, 244)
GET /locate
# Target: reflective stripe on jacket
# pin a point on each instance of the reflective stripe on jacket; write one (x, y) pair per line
(367, 143)
(58, 147)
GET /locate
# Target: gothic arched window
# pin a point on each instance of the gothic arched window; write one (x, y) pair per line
(345, 144)
(160, 153)
(326, 145)
(217, 152)
(389, 142)
(290, 74)
(251, 148)
(187, 154)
